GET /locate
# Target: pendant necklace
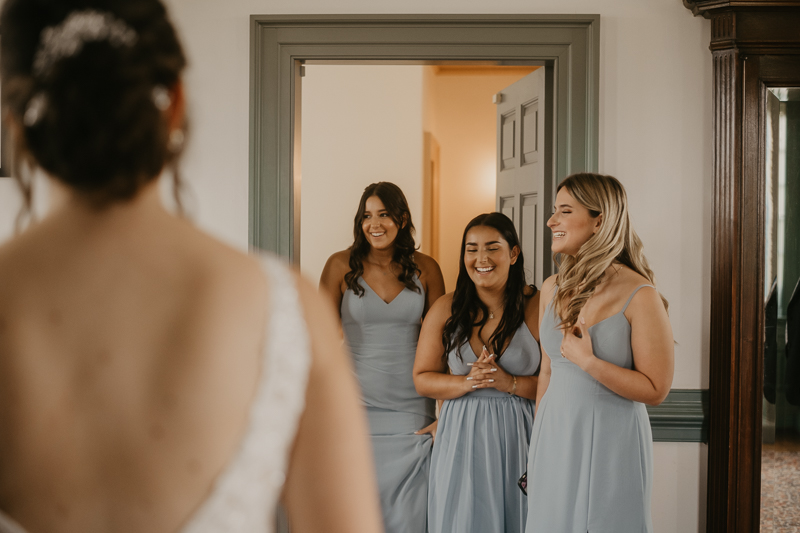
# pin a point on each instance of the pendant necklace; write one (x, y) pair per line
(491, 313)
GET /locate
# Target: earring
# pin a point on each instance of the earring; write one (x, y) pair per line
(176, 140)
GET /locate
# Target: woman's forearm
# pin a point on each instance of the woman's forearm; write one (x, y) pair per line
(440, 386)
(630, 384)
(527, 387)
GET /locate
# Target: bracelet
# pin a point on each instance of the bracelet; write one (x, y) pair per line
(514, 388)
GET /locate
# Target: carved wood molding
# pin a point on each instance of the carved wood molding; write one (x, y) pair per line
(755, 27)
(722, 471)
(705, 7)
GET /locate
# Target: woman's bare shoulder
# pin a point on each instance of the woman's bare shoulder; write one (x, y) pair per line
(425, 262)
(549, 287)
(628, 279)
(217, 260)
(441, 309)
(338, 262)
(532, 296)
(429, 272)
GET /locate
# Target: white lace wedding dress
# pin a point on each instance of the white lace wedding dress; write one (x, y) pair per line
(244, 497)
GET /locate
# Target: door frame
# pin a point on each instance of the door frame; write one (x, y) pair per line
(568, 46)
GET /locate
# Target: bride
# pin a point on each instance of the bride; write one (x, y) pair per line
(151, 378)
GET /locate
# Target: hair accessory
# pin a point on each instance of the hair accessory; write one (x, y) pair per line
(67, 38)
(35, 109)
(161, 98)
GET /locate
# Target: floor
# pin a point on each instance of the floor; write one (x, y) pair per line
(780, 485)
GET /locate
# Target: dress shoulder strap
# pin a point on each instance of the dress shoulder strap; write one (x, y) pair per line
(245, 494)
(634, 294)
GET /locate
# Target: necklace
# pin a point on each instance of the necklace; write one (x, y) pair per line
(491, 313)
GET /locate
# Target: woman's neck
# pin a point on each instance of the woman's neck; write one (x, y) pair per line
(494, 299)
(380, 257)
(70, 208)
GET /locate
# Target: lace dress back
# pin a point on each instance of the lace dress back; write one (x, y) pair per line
(244, 497)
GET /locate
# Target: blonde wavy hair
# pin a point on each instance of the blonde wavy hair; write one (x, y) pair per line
(579, 275)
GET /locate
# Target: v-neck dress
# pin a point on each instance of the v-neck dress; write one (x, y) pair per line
(591, 458)
(383, 340)
(481, 449)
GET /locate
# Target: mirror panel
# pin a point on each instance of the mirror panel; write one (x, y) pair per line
(780, 455)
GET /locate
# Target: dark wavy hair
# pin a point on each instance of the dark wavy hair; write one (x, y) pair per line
(100, 131)
(404, 247)
(467, 306)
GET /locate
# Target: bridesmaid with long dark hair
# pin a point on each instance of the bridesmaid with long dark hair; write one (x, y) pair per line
(486, 333)
(383, 288)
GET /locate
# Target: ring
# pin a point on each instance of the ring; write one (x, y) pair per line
(562, 353)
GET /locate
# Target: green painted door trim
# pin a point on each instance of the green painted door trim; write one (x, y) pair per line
(682, 417)
(567, 45)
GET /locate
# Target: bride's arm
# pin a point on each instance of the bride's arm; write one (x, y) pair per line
(331, 483)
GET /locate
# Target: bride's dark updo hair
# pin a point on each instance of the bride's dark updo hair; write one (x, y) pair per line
(90, 114)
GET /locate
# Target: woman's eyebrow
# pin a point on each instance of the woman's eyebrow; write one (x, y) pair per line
(476, 244)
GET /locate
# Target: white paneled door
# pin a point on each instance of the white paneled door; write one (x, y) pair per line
(521, 189)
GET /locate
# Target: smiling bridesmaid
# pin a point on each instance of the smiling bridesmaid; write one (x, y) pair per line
(486, 334)
(383, 288)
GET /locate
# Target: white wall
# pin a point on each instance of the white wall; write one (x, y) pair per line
(361, 124)
(655, 135)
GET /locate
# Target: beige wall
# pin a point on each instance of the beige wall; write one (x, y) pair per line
(655, 135)
(361, 124)
(461, 116)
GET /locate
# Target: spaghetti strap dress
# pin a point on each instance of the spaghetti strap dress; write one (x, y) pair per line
(383, 340)
(481, 448)
(591, 457)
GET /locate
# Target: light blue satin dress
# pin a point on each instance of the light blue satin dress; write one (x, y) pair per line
(591, 458)
(481, 449)
(383, 340)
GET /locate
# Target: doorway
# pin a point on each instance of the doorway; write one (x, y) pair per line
(567, 45)
(430, 129)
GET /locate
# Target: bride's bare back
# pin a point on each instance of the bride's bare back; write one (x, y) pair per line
(129, 353)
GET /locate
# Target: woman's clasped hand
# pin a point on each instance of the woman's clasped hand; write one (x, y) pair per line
(486, 373)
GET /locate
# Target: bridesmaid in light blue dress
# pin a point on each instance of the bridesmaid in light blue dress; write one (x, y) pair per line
(485, 334)
(383, 288)
(607, 350)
